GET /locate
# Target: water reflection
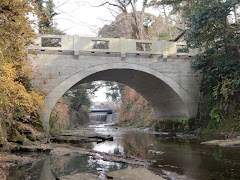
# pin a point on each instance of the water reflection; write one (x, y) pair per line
(66, 165)
(111, 147)
(185, 159)
(49, 168)
(37, 170)
(182, 159)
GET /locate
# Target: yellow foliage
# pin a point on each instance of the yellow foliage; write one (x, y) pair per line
(17, 98)
(223, 88)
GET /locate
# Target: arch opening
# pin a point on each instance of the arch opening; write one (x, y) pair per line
(165, 98)
(165, 102)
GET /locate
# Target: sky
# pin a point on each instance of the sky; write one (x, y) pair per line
(85, 17)
(79, 17)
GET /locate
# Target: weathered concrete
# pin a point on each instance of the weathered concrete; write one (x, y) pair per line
(163, 76)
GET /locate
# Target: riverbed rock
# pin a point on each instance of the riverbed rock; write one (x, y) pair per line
(79, 176)
(66, 150)
(224, 143)
(3, 174)
(33, 148)
(155, 152)
(80, 135)
(134, 174)
(81, 139)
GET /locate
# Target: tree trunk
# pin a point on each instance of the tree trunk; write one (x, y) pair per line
(235, 13)
(167, 21)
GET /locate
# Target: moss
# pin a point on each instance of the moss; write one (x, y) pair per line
(175, 125)
(53, 122)
(15, 136)
(155, 125)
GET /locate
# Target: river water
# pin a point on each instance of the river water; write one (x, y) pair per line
(178, 158)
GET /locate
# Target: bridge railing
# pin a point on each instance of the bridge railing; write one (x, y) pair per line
(108, 45)
(123, 46)
(182, 49)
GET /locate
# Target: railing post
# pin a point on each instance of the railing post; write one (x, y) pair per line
(76, 45)
(123, 48)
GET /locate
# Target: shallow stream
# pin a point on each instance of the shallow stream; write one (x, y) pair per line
(177, 159)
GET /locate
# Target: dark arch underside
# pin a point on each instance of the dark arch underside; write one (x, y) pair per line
(164, 100)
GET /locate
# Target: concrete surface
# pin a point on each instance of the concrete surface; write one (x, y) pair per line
(161, 75)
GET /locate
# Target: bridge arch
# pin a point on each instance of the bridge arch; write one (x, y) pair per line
(168, 98)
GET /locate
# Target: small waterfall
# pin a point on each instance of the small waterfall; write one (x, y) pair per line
(109, 118)
(98, 117)
(104, 117)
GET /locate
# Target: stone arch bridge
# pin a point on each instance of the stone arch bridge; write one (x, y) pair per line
(159, 70)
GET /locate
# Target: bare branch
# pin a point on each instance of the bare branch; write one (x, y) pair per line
(111, 4)
(62, 4)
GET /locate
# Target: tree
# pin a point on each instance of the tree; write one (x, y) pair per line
(210, 28)
(17, 98)
(79, 95)
(115, 90)
(46, 13)
(137, 16)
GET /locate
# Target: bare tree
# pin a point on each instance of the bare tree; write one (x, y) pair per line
(129, 8)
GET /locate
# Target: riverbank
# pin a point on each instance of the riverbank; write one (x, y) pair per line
(83, 152)
(64, 145)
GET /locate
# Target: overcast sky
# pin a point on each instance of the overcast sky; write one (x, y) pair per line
(78, 17)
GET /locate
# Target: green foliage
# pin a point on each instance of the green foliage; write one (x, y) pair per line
(115, 90)
(215, 116)
(164, 36)
(211, 30)
(213, 124)
(55, 127)
(175, 125)
(219, 62)
(155, 125)
(79, 95)
(208, 26)
(46, 13)
(128, 106)
(183, 50)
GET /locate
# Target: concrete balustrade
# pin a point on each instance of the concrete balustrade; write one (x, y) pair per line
(84, 44)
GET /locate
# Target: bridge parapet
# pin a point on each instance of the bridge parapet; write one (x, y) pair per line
(123, 46)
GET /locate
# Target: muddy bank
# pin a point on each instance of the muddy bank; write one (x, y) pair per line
(133, 174)
(129, 174)
(235, 142)
(79, 176)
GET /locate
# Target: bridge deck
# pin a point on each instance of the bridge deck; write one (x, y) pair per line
(108, 111)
